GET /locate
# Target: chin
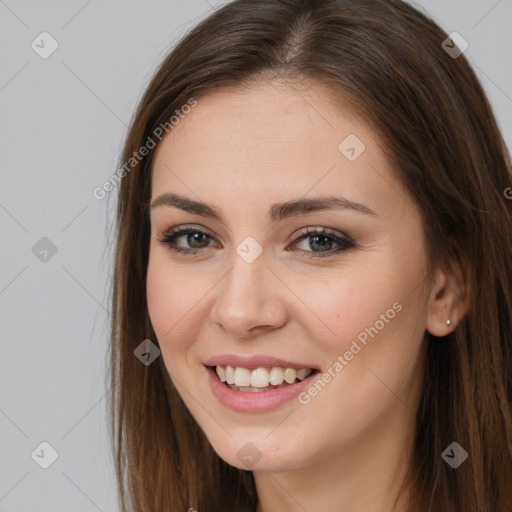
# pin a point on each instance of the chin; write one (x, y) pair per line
(257, 453)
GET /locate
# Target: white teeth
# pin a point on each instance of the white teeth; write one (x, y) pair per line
(301, 374)
(242, 377)
(276, 376)
(261, 378)
(289, 375)
(221, 372)
(230, 374)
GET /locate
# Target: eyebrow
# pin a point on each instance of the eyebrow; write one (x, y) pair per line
(277, 212)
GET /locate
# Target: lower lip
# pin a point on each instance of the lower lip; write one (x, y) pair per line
(245, 401)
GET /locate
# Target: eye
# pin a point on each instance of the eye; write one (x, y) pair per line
(195, 238)
(320, 242)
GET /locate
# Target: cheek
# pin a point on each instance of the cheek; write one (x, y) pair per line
(174, 299)
(371, 314)
(375, 324)
(341, 306)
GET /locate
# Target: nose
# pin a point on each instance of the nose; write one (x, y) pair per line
(250, 300)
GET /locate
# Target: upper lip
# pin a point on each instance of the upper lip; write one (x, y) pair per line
(251, 362)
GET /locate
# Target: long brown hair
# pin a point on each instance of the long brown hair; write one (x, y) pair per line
(441, 137)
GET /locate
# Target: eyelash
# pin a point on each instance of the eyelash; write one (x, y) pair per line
(344, 242)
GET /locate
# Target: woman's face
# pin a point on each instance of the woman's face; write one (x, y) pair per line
(264, 292)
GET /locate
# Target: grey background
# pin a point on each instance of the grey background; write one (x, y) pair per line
(63, 120)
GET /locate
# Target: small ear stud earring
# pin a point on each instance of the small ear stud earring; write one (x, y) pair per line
(448, 322)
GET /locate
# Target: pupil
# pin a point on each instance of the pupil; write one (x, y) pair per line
(321, 237)
(195, 237)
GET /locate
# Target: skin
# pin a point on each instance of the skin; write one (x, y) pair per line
(242, 150)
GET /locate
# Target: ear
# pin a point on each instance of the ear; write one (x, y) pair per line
(449, 298)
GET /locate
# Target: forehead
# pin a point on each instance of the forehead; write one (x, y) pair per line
(268, 114)
(272, 141)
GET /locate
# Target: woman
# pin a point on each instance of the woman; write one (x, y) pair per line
(312, 269)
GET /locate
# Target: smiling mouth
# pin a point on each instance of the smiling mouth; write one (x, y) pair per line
(260, 379)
